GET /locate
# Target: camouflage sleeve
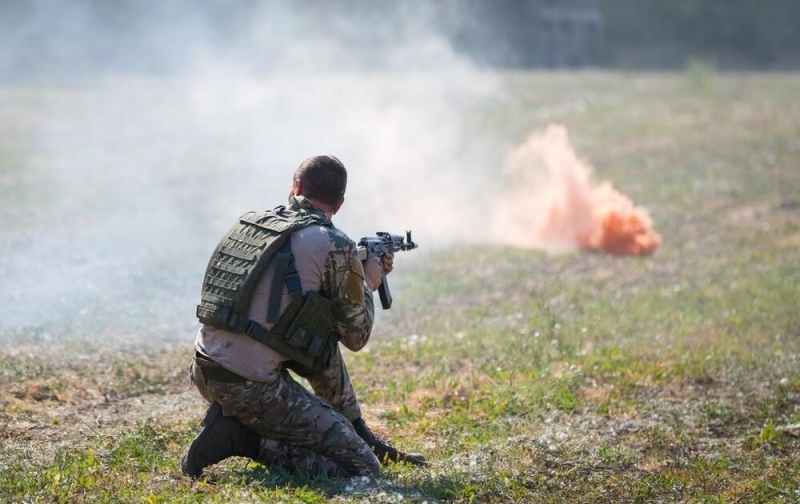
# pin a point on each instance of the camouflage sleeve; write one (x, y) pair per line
(343, 283)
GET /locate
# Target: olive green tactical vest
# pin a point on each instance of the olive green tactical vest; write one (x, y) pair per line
(304, 332)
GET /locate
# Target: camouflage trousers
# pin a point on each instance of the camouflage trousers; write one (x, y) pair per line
(300, 431)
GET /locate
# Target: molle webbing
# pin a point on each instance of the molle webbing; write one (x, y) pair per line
(239, 261)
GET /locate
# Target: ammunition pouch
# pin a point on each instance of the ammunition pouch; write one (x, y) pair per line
(305, 333)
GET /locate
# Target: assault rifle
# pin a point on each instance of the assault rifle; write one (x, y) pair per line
(376, 246)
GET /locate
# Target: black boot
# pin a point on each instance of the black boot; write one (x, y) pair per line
(385, 452)
(219, 438)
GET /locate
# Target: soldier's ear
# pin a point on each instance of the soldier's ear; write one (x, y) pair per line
(297, 187)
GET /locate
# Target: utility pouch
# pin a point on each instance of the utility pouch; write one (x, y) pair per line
(305, 333)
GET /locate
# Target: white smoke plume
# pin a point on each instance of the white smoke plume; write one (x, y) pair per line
(136, 132)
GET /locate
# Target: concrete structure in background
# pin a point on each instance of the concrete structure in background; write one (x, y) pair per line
(568, 37)
(529, 33)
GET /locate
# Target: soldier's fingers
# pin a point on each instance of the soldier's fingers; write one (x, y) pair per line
(388, 262)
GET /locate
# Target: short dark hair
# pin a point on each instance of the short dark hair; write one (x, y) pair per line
(324, 178)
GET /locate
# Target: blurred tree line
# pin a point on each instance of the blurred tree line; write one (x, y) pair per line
(759, 32)
(77, 36)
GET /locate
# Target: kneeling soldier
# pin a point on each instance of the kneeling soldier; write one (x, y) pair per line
(282, 288)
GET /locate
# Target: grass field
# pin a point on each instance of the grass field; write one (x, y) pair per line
(523, 376)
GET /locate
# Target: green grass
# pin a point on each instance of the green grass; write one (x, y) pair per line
(523, 376)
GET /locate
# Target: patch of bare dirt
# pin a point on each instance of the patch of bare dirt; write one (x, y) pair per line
(69, 404)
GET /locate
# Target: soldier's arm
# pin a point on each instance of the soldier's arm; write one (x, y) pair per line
(352, 300)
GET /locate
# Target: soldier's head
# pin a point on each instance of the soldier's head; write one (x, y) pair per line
(322, 179)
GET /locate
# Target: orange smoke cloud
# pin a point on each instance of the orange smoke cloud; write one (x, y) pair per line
(552, 202)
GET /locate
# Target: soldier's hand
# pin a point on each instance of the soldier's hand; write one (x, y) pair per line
(388, 262)
(373, 274)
